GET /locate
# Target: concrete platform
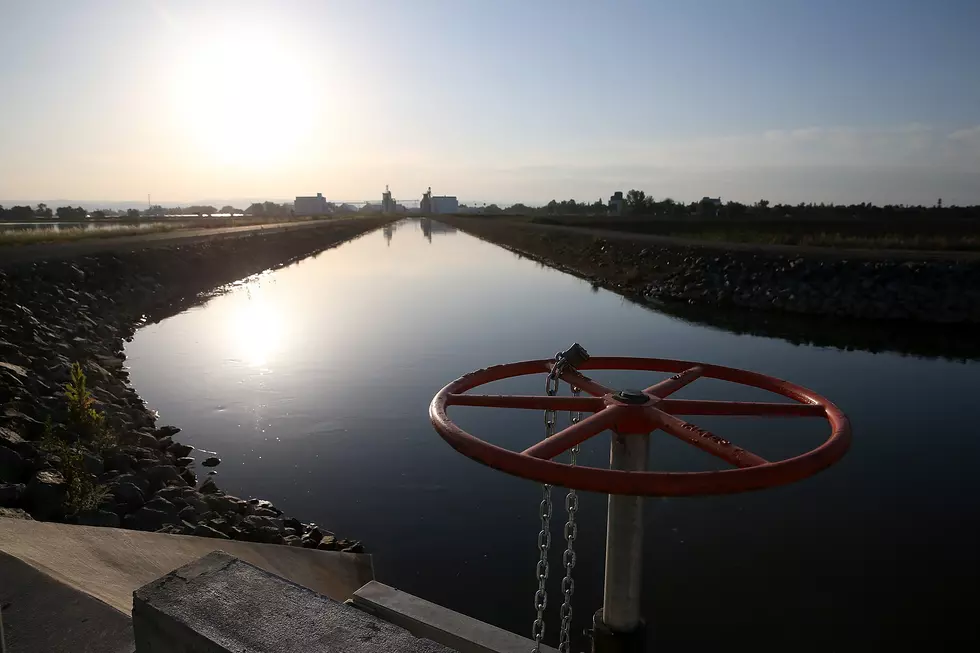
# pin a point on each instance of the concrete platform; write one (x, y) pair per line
(109, 564)
(220, 604)
(41, 615)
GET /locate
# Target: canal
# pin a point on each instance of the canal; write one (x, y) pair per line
(312, 383)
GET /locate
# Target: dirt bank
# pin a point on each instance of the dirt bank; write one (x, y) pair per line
(907, 289)
(58, 462)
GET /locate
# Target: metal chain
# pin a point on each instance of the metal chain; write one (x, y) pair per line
(568, 557)
(544, 535)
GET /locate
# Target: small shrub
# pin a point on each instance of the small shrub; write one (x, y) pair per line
(89, 423)
(82, 489)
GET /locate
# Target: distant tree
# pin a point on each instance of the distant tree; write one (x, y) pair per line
(44, 211)
(71, 213)
(735, 210)
(257, 209)
(21, 213)
(271, 208)
(98, 215)
(132, 214)
(552, 207)
(493, 209)
(762, 204)
(230, 210)
(156, 210)
(200, 210)
(939, 203)
(636, 200)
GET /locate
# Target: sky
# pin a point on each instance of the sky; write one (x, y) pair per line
(496, 101)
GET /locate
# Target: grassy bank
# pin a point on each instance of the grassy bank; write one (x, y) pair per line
(115, 230)
(918, 235)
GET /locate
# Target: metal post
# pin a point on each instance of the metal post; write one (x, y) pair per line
(619, 618)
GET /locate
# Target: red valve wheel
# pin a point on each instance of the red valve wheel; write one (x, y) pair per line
(638, 413)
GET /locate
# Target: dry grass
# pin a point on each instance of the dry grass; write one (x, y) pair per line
(85, 232)
(839, 240)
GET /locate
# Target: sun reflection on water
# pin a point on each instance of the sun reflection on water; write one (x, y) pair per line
(257, 332)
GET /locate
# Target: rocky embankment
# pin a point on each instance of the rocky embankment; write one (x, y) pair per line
(834, 284)
(133, 473)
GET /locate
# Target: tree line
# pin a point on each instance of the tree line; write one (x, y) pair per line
(637, 203)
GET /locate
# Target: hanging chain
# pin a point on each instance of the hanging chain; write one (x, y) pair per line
(544, 535)
(568, 557)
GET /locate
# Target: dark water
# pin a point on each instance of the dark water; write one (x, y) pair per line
(312, 382)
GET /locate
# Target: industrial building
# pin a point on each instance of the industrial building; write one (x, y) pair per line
(387, 204)
(616, 203)
(310, 205)
(438, 203)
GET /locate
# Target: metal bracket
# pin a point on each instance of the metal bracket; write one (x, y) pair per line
(607, 640)
(571, 357)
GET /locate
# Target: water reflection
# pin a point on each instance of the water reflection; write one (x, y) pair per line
(429, 227)
(319, 404)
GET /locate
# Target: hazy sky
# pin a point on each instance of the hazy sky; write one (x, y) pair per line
(824, 100)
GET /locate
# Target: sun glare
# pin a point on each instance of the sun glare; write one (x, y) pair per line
(257, 333)
(237, 99)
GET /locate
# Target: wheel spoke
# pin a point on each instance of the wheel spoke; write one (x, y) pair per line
(575, 434)
(579, 380)
(758, 408)
(676, 382)
(533, 402)
(709, 442)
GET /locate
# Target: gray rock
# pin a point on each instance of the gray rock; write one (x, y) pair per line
(224, 503)
(11, 494)
(328, 543)
(203, 530)
(173, 494)
(189, 477)
(256, 522)
(196, 500)
(98, 518)
(180, 450)
(292, 540)
(146, 440)
(161, 504)
(208, 487)
(127, 494)
(166, 431)
(14, 513)
(188, 514)
(211, 461)
(46, 494)
(163, 475)
(184, 461)
(12, 440)
(13, 467)
(263, 535)
(146, 519)
(92, 464)
(117, 461)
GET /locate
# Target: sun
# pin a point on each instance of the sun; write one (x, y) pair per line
(245, 101)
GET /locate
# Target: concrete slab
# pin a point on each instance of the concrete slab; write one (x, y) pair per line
(221, 604)
(41, 615)
(425, 619)
(111, 563)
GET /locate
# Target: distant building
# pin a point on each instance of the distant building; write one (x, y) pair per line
(438, 203)
(445, 204)
(711, 200)
(387, 204)
(310, 205)
(616, 203)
